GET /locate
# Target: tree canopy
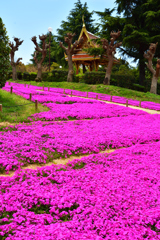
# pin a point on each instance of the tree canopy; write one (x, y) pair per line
(138, 20)
(4, 54)
(74, 22)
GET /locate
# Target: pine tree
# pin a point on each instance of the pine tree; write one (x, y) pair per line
(74, 22)
(4, 54)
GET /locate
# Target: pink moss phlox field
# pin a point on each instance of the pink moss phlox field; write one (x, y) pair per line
(48, 95)
(112, 196)
(102, 196)
(84, 111)
(44, 141)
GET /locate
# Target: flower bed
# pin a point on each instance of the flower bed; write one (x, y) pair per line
(44, 141)
(101, 196)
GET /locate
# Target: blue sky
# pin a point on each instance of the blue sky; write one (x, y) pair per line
(27, 18)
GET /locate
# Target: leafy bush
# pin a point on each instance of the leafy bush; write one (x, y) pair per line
(9, 76)
(93, 77)
(57, 76)
(125, 81)
(138, 87)
(19, 75)
(26, 76)
(33, 75)
(79, 78)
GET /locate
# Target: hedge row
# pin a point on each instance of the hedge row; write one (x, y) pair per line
(125, 81)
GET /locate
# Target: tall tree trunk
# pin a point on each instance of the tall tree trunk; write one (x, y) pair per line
(154, 85)
(14, 72)
(39, 74)
(70, 72)
(141, 71)
(108, 72)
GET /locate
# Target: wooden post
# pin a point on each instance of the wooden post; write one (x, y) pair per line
(48, 88)
(97, 97)
(71, 93)
(25, 84)
(9, 83)
(11, 90)
(30, 96)
(64, 91)
(36, 104)
(87, 94)
(0, 107)
(43, 87)
(126, 102)
(28, 85)
(111, 99)
(140, 103)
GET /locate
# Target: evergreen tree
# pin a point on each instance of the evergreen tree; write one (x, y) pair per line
(139, 26)
(4, 54)
(74, 22)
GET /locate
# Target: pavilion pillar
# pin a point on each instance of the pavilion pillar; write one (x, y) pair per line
(77, 67)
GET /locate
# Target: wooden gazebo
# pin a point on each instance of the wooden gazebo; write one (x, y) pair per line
(81, 57)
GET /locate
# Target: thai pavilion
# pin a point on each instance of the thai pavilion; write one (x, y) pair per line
(81, 57)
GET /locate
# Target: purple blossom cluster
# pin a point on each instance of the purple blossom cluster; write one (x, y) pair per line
(90, 110)
(102, 196)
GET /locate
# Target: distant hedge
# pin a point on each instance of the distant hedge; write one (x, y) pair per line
(125, 81)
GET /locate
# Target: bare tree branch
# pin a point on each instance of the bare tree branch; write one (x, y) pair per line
(18, 60)
(149, 56)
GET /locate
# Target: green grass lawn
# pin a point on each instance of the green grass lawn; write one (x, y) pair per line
(14, 114)
(100, 88)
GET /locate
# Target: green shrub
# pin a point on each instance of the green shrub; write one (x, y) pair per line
(9, 76)
(33, 75)
(125, 81)
(26, 76)
(19, 75)
(44, 76)
(93, 77)
(79, 78)
(138, 87)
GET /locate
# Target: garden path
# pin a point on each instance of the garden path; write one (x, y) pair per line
(56, 161)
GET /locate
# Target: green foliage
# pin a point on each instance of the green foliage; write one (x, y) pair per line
(26, 76)
(4, 54)
(139, 25)
(74, 22)
(79, 165)
(33, 75)
(19, 75)
(138, 87)
(120, 80)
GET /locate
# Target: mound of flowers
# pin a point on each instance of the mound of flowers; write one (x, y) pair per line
(102, 196)
(41, 142)
(94, 110)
